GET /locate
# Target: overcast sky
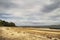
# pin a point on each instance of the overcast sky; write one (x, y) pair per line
(30, 12)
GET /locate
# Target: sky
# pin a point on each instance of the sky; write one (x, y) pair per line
(30, 12)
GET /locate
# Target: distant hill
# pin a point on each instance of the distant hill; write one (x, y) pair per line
(55, 26)
(11, 24)
(50, 26)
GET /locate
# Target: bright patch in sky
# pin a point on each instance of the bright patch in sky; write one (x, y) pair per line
(30, 12)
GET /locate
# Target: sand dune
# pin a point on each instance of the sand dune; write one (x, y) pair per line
(17, 33)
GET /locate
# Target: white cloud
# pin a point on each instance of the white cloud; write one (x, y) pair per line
(31, 12)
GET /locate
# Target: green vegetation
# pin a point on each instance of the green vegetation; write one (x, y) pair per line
(4, 23)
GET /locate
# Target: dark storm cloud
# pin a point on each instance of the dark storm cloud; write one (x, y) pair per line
(51, 7)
